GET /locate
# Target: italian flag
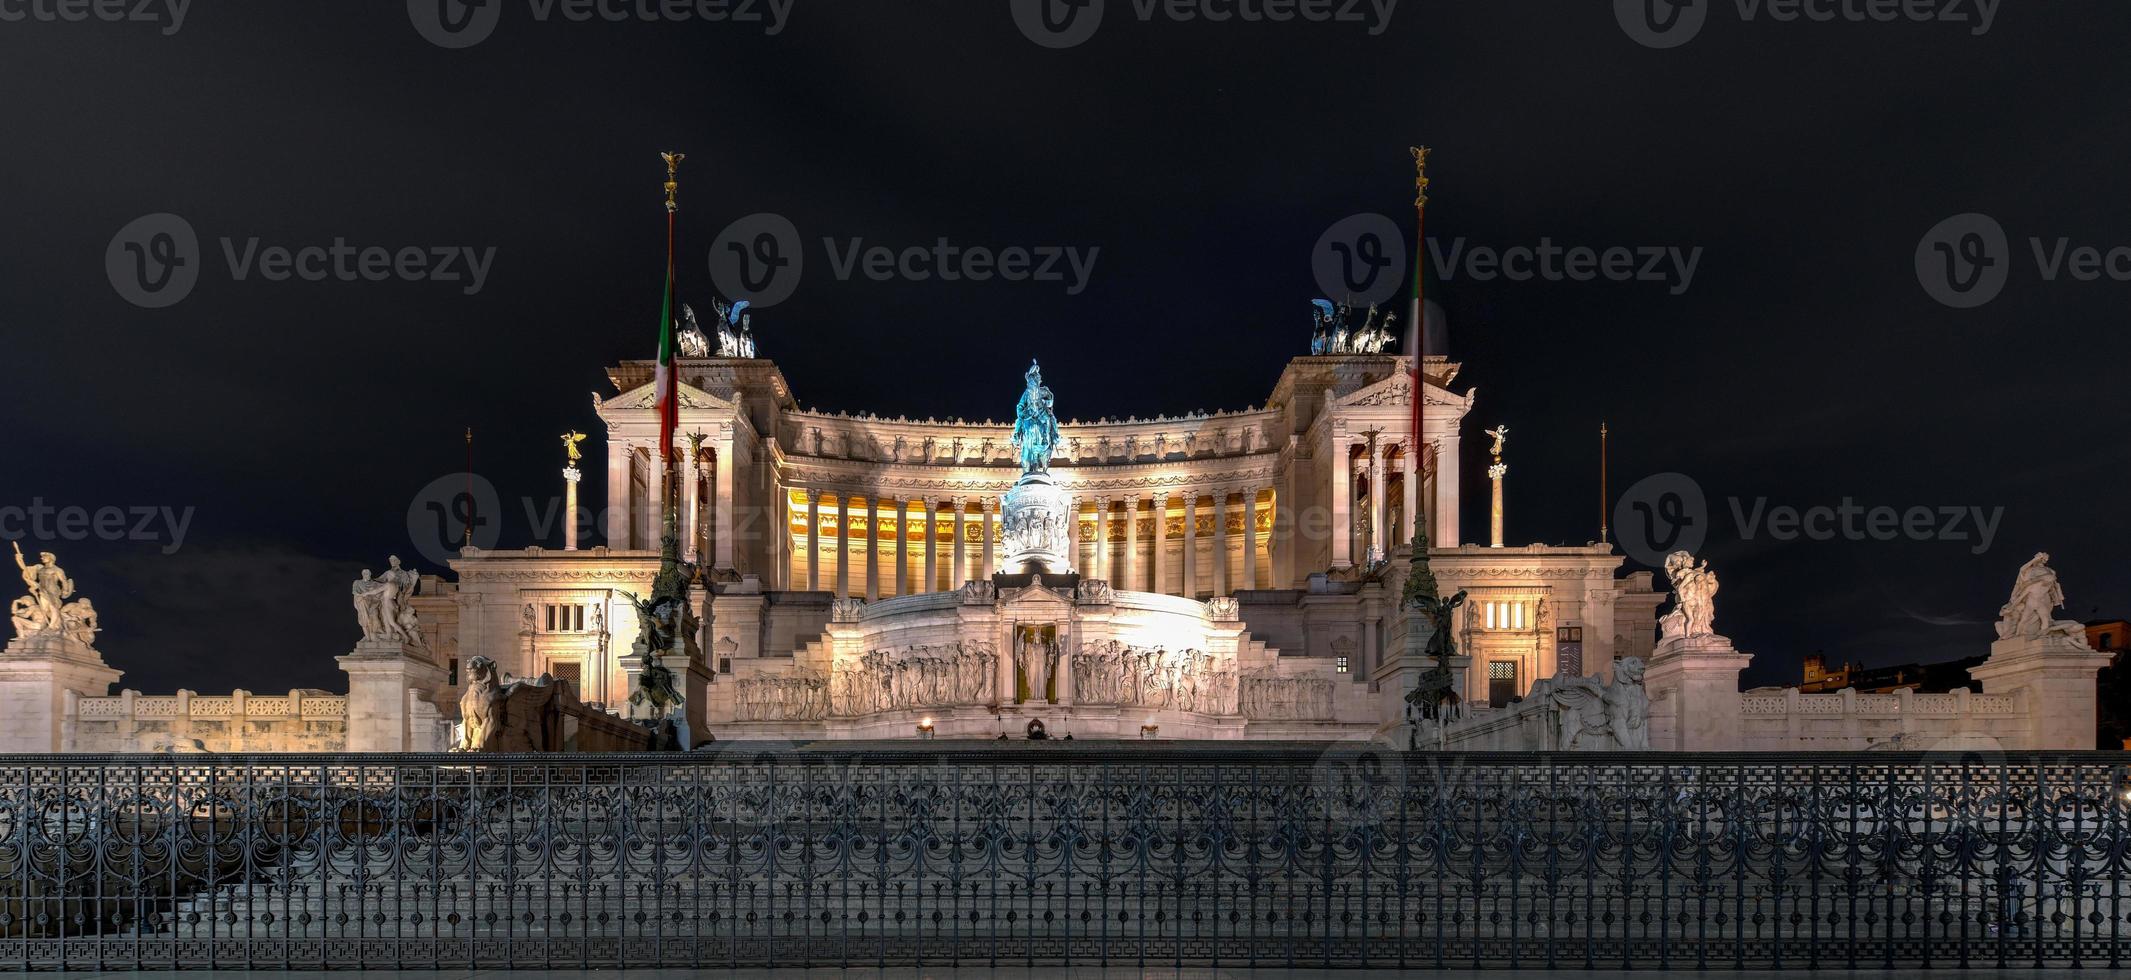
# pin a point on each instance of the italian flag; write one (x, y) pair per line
(669, 400)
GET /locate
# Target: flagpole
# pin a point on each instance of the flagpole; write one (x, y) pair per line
(668, 422)
(1419, 319)
(1605, 496)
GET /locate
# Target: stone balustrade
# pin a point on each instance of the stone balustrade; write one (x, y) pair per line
(1788, 720)
(299, 721)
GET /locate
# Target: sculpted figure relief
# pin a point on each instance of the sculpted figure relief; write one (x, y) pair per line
(915, 677)
(1271, 696)
(2032, 610)
(1154, 677)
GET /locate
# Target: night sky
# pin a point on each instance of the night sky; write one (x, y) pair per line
(1805, 363)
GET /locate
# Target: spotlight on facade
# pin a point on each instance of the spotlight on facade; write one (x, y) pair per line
(1150, 731)
(925, 728)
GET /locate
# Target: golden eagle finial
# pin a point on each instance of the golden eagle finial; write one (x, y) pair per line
(673, 182)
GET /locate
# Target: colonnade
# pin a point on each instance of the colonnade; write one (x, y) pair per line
(1199, 543)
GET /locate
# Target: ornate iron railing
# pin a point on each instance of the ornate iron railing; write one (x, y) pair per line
(1047, 854)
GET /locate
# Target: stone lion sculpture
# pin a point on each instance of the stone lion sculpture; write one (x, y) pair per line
(523, 716)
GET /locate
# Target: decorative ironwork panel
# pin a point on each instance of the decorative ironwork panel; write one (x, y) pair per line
(1045, 855)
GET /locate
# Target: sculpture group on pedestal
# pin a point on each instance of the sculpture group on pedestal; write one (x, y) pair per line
(1332, 330)
(2031, 611)
(1694, 593)
(1037, 521)
(1154, 677)
(1434, 696)
(383, 605)
(46, 609)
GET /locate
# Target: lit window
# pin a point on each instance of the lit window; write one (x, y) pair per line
(1341, 665)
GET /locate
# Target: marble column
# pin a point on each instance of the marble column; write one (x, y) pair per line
(1250, 537)
(1190, 589)
(723, 497)
(813, 540)
(1377, 498)
(690, 494)
(1220, 541)
(1161, 552)
(614, 524)
(1132, 562)
(932, 545)
(873, 547)
(990, 507)
(902, 547)
(1102, 538)
(1411, 485)
(1446, 508)
(655, 498)
(1342, 498)
(570, 476)
(961, 567)
(843, 545)
(1495, 474)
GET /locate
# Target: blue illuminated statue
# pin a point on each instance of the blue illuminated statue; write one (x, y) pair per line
(1035, 425)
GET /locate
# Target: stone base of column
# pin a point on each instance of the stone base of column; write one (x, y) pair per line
(37, 675)
(1693, 684)
(381, 673)
(2053, 676)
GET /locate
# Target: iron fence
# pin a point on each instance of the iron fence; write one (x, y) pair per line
(1033, 854)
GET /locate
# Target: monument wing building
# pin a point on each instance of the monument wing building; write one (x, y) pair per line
(1232, 574)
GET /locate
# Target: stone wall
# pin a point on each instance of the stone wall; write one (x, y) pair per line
(299, 721)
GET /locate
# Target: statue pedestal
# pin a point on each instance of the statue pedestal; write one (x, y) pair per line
(1693, 684)
(2054, 678)
(37, 673)
(1403, 669)
(691, 678)
(385, 677)
(1037, 526)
